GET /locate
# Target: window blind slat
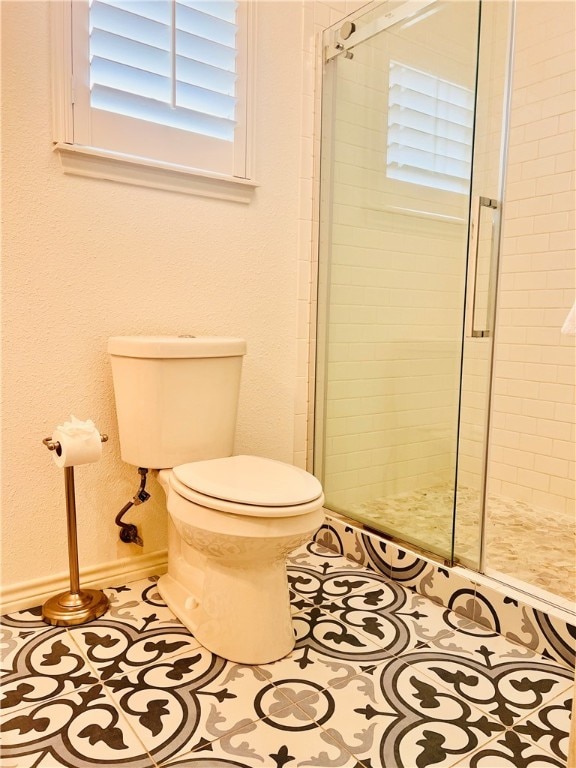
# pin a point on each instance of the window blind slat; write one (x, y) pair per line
(204, 100)
(220, 10)
(206, 51)
(205, 75)
(426, 161)
(129, 80)
(131, 26)
(202, 25)
(410, 118)
(428, 105)
(112, 47)
(133, 105)
(416, 139)
(155, 10)
(423, 82)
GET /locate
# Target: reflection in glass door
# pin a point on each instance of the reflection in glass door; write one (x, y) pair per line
(396, 187)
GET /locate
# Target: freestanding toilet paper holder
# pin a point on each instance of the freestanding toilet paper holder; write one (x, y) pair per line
(77, 606)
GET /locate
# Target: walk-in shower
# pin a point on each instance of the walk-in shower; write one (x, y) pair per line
(442, 381)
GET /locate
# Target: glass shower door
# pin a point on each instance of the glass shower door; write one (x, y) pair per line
(397, 148)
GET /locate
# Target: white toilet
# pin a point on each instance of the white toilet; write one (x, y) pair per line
(232, 519)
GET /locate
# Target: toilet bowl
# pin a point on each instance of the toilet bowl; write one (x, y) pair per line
(232, 520)
(226, 577)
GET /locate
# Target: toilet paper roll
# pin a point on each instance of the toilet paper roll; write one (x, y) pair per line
(80, 443)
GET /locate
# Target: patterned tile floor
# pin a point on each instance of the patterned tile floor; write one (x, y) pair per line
(379, 678)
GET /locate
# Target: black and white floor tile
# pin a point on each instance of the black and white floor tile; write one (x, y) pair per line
(504, 611)
(380, 677)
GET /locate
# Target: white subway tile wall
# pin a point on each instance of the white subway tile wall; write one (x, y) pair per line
(533, 451)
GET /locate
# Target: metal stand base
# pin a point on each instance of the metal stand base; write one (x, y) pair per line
(71, 608)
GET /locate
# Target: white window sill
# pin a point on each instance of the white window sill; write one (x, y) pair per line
(102, 164)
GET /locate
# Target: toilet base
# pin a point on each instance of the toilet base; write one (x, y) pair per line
(236, 617)
(227, 579)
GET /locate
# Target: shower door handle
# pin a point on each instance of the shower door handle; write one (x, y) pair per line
(479, 203)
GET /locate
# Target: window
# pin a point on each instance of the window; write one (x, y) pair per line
(162, 82)
(430, 124)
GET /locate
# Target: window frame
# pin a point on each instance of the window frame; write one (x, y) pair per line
(86, 160)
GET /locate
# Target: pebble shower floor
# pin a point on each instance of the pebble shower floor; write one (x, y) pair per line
(380, 677)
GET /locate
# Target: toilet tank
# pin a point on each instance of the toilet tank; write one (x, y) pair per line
(176, 397)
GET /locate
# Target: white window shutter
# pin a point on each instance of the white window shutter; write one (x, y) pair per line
(158, 79)
(430, 124)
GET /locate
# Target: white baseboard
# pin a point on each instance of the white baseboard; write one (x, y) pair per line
(28, 594)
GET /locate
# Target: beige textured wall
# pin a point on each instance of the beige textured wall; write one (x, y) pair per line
(85, 259)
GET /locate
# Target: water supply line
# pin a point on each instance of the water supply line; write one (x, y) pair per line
(128, 531)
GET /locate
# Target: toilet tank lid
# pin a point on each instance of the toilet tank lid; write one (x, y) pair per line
(176, 346)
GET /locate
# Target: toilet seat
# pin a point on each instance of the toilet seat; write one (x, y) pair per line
(248, 485)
